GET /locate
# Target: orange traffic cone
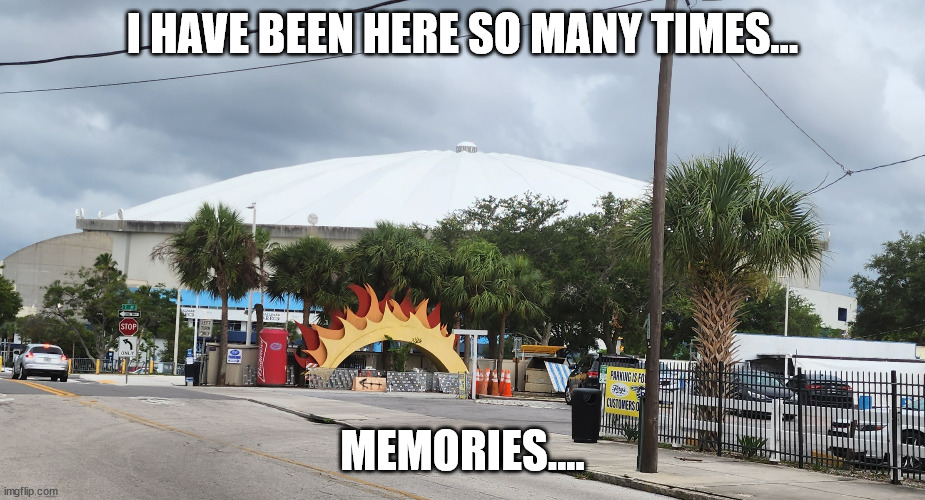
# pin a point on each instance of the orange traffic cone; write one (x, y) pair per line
(495, 389)
(506, 390)
(483, 383)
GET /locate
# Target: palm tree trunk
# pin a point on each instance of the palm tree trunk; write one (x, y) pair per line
(715, 311)
(500, 353)
(223, 343)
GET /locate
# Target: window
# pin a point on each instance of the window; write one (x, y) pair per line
(842, 314)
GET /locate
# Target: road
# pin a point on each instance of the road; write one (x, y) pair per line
(88, 440)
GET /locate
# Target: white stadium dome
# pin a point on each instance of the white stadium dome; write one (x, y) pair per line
(413, 187)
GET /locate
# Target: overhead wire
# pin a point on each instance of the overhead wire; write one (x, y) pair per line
(148, 47)
(239, 70)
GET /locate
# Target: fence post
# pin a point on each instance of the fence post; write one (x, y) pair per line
(722, 411)
(895, 460)
(801, 398)
(97, 367)
(777, 414)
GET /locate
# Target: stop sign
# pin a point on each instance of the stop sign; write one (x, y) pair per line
(128, 326)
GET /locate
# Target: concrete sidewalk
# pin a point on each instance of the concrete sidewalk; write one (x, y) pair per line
(681, 474)
(119, 379)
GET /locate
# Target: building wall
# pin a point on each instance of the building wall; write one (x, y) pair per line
(836, 310)
(35, 267)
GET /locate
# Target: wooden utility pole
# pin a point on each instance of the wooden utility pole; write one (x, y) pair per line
(648, 461)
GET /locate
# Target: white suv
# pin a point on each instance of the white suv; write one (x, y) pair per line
(41, 359)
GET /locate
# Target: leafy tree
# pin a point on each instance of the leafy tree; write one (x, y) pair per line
(397, 259)
(764, 313)
(90, 297)
(727, 228)
(891, 302)
(517, 225)
(10, 300)
(309, 269)
(516, 290)
(214, 253)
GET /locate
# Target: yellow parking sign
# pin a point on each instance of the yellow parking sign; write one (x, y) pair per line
(620, 388)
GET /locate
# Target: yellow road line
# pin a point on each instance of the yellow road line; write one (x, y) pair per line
(52, 390)
(159, 425)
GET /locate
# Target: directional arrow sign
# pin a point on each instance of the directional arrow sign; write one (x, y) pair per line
(128, 346)
(129, 314)
(128, 326)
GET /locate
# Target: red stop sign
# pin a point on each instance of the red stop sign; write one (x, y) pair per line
(128, 326)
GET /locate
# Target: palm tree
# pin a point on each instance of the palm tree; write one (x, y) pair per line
(306, 268)
(214, 253)
(518, 289)
(397, 259)
(475, 266)
(727, 227)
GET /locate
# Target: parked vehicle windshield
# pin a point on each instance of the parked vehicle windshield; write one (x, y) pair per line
(757, 379)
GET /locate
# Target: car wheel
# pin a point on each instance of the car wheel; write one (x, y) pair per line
(22, 374)
(15, 374)
(913, 463)
(63, 378)
(54, 378)
(568, 395)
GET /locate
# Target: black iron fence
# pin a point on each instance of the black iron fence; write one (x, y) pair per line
(857, 420)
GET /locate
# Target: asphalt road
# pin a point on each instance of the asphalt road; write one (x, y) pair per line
(88, 440)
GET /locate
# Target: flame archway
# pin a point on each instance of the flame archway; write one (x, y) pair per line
(372, 322)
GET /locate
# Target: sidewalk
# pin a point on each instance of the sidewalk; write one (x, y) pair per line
(119, 379)
(681, 474)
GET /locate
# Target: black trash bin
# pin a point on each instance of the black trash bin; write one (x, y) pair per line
(191, 371)
(586, 415)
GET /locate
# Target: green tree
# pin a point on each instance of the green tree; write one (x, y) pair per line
(519, 291)
(214, 253)
(10, 300)
(891, 301)
(310, 269)
(728, 228)
(397, 259)
(91, 296)
(764, 313)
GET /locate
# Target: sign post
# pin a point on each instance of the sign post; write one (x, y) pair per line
(474, 338)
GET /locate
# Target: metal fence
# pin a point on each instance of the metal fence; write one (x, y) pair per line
(858, 420)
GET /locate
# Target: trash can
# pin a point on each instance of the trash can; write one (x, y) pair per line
(586, 415)
(191, 372)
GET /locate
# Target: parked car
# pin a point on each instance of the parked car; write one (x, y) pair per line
(822, 389)
(44, 360)
(764, 387)
(863, 436)
(586, 373)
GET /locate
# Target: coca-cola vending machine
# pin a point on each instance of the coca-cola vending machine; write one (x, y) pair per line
(271, 357)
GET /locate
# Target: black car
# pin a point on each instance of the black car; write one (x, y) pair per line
(822, 389)
(586, 374)
(764, 387)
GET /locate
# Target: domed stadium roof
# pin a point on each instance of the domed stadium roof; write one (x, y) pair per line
(418, 186)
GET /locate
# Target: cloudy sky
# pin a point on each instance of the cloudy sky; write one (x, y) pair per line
(857, 87)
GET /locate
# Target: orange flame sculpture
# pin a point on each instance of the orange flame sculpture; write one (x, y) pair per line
(373, 321)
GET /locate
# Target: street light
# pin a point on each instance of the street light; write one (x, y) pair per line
(250, 293)
(786, 321)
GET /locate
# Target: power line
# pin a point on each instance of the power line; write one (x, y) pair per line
(240, 70)
(148, 47)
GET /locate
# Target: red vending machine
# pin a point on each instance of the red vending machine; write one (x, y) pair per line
(271, 360)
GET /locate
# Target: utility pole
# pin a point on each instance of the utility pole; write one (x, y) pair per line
(648, 461)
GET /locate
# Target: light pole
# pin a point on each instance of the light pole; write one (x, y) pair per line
(786, 321)
(250, 293)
